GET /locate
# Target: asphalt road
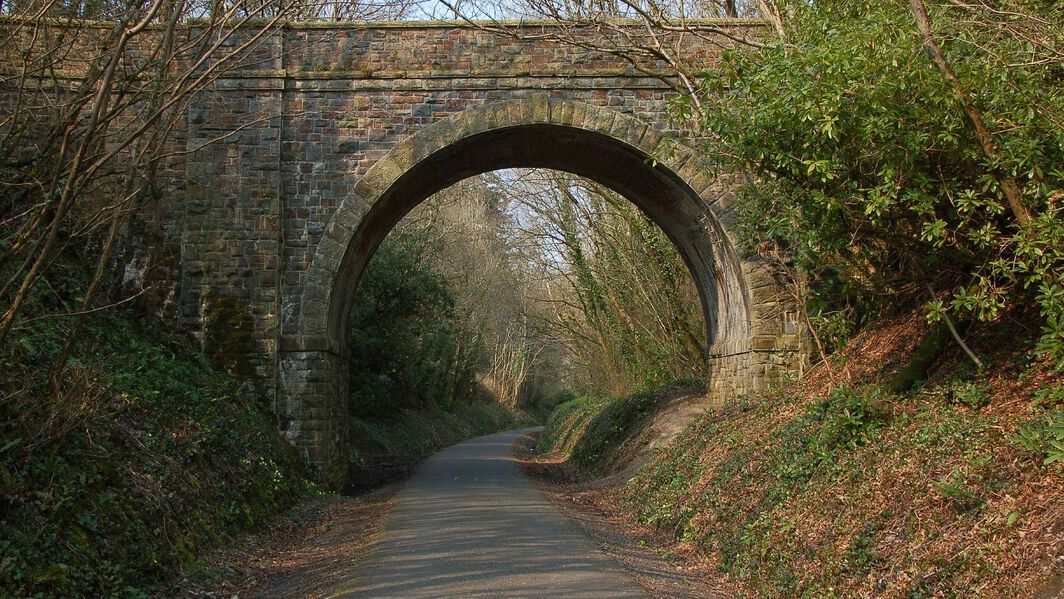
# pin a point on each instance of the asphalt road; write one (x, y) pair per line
(471, 524)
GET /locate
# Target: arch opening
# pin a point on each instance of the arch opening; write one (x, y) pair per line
(658, 191)
(515, 289)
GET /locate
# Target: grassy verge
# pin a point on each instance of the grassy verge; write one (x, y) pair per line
(140, 460)
(598, 433)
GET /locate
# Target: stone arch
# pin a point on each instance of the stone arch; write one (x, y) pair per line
(660, 176)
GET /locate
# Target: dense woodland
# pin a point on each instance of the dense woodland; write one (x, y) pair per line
(894, 156)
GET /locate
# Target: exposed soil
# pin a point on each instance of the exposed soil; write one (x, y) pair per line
(303, 554)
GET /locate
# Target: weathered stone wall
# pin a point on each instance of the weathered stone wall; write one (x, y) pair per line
(285, 139)
(304, 125)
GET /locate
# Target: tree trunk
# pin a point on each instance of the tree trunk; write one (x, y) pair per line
(768, 12)
(982, 134)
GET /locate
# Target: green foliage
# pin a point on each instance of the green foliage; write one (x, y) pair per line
(412, 374)
(407, 348)
(1049, 397)
(634, 292)
(406, 435)
(1044, 434)
(1039, 260)
(619, 421)
(142, 458)
(568, 421)
(596, 431)
(845, 421)
(971, 394)
(957, 487)
(852, 417)
(868, 168)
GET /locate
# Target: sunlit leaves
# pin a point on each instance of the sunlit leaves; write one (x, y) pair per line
(868, 169)
(934, 232)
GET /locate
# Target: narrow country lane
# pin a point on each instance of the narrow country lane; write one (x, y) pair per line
(471, 524)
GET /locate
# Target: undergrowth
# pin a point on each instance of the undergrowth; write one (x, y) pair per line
(596, 431)
(139, 459)
(862, 493)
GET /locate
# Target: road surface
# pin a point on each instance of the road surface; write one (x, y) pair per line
(470, 524)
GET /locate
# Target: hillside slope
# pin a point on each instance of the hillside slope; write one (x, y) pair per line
(835, 487)
(140, 459)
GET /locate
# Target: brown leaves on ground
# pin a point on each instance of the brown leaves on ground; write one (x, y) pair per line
(303, 554)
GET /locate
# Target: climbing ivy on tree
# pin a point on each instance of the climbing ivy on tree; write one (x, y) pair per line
(637, 304)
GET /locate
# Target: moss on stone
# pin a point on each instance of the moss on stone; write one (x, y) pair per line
(229, 338)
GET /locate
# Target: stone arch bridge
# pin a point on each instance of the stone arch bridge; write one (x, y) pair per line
(298, 167)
